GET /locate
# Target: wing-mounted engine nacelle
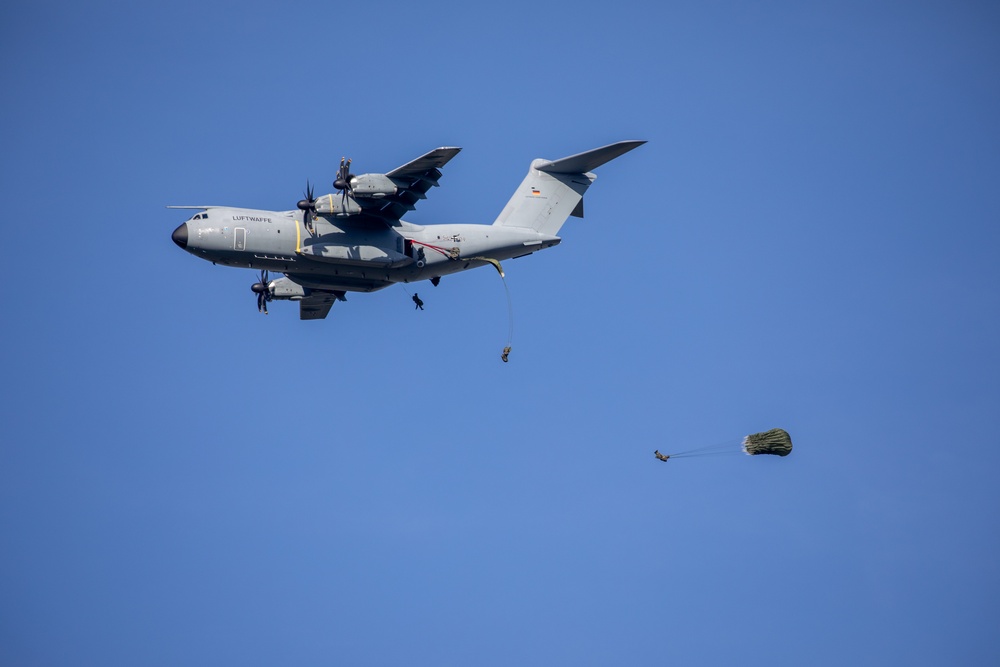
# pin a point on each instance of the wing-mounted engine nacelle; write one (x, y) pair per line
(337, 205)
(365, 186)
(374, 186)
(281, 288)
(286, 288)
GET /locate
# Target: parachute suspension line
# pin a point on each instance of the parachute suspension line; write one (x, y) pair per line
(717, 449)
(510, 316)
(725, 452)
(510, 307)
(510, 320)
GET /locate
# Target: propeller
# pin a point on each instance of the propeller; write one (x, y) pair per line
(308, 207)
(344, 176)
(262, 292)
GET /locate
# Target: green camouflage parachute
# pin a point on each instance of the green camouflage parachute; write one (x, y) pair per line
(775, 441)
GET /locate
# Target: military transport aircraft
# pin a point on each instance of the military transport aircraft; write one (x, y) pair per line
(356, 241)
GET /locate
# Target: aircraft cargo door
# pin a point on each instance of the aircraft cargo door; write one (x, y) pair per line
(240, 239)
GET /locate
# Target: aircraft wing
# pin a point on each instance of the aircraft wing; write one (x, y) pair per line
(412, 180)
(317, 305)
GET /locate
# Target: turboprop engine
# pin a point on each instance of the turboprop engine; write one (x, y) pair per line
(337, 205)
(374, 186)
(285, 288)
(280, 288)
(365, 186)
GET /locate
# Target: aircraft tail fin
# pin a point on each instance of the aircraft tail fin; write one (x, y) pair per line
(553, 189)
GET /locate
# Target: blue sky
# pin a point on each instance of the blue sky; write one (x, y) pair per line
(809, 240)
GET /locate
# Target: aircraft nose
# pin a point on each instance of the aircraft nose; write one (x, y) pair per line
(180, 236)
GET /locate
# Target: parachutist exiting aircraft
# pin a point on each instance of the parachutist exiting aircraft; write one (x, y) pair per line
(356, 240)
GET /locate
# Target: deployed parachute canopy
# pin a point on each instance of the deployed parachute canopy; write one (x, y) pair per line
(776, 441)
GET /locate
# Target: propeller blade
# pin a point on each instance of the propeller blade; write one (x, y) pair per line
(343, 182)
(262, 291)
(308, 207)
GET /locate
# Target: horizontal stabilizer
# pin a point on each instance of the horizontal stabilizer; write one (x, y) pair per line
(581, 163)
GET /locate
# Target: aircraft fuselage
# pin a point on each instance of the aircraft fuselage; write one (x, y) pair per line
(343, 255)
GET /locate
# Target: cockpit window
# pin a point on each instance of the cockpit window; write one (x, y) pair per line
(201, 216)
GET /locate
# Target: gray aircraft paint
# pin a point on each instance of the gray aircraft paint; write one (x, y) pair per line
(363, 253)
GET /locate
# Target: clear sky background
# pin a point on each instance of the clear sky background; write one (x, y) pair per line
(810, 240)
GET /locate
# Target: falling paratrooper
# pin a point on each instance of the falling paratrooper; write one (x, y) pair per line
(776, 442)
